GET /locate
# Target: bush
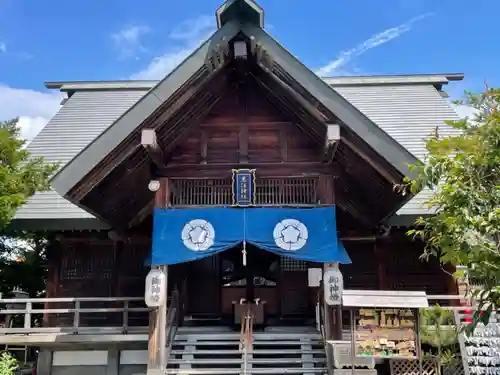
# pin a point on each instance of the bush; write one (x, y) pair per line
(8, 364)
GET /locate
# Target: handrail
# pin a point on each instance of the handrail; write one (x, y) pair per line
(172, 322)
(328, 351)
(24, 306)
(246, 337)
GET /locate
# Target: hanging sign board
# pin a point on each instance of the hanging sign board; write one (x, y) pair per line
(243, 187)
(156, 284)
(333, 286)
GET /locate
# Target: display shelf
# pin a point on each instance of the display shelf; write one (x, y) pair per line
(386, 333)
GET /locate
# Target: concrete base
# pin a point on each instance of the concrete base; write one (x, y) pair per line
(103, 361)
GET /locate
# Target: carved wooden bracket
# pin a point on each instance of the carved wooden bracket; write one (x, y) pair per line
(332, 142)
(150, 143)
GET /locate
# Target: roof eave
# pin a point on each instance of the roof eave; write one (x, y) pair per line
(385, 145)
(90, 157)
(59, 224)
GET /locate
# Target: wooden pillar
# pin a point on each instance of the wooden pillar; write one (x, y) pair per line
(54, 269)
(157, 360)
(380, 254)
(453, 285)
(333, 315)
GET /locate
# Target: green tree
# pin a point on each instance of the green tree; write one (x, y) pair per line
(463, 172)
(24, 265)
(21, 175)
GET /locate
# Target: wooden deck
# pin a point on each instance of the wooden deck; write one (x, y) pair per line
(28, 321)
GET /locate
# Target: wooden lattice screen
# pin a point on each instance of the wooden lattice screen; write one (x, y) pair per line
(99, 267)
(411, 367)
(269, 191)
(406, 271)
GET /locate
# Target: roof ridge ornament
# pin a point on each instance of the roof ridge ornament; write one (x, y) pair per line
(244, 11)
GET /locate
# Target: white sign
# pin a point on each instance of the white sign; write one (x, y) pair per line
(334, 286)
(314, 276)
(156, 283)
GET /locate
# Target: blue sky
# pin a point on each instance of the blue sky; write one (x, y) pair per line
(121, 39)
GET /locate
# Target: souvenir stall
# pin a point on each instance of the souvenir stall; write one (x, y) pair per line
(385, 325)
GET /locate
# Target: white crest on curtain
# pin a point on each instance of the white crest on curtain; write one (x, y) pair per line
(290, 234)
(198, 235)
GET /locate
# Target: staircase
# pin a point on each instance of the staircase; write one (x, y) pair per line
(274, 351)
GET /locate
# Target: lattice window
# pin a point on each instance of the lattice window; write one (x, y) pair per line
(269, 192)
(290, 264)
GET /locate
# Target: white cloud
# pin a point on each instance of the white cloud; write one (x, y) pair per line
(184, 39)
(128, 40)
(34, 108)
(3, 47)
(374, 41)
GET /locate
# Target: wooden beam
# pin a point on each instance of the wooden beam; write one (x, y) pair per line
(150, 142)
(243, 128)
(283, 144)
(157, 350)
(382, 171)
(291, 92)
(381, 255)
(332, 142)
(273, 169)
(311, 124)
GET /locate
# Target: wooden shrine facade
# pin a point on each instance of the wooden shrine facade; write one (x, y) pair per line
(239, 101)
(245, 129)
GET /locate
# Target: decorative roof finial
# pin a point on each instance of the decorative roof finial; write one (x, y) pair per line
(244, 11)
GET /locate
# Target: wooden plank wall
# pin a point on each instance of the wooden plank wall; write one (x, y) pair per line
(89, 264)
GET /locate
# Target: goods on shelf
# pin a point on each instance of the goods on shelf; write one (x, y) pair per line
(386, 333)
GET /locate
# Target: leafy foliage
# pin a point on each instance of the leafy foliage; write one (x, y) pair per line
(21, 176)
(439, 332)
(463, 171)
(24, 266)
(8, 364)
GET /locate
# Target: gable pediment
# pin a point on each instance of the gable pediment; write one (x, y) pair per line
(183, 99)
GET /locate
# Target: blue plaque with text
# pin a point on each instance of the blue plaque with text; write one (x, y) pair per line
(243, 187)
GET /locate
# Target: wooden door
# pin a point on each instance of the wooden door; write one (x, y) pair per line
(294, 291)
(204, 288)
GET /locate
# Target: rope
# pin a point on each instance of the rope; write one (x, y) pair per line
(244, 249)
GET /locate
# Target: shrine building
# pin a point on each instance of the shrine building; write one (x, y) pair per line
(241, 177)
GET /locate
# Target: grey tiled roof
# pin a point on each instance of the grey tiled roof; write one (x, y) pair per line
(408, 112)
(83, 117)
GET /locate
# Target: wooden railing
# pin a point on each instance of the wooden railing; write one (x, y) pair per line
(294, 191)
(23, 311)
(320, 316)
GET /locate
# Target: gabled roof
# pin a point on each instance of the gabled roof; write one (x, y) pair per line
(408, 112)
(348, 114)
(242, 19)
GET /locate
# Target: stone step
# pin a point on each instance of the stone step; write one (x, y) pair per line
(202, 336)
(258, 361)
(260, 371)
(237, 342)
(254, 352)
